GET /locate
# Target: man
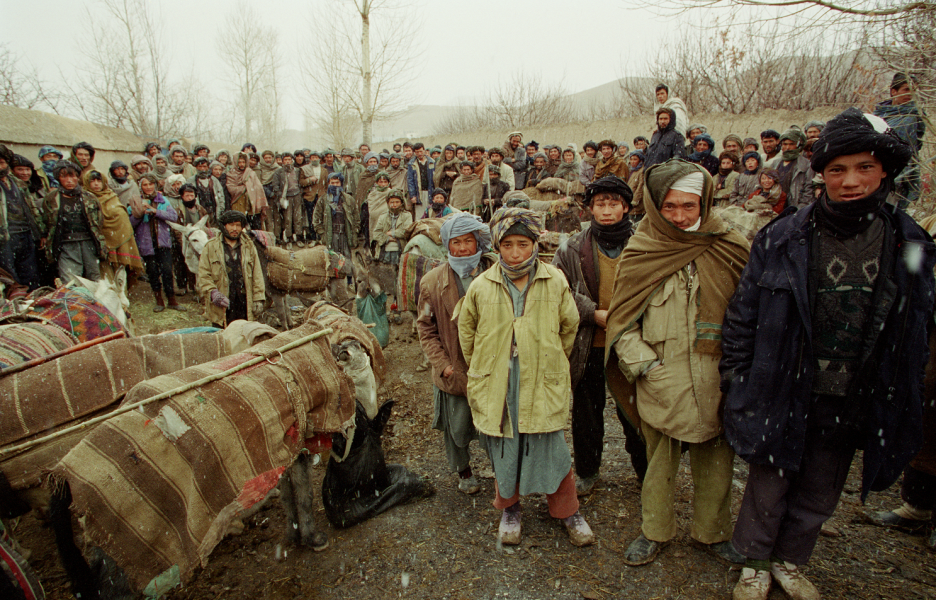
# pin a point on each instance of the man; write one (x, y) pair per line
(124, 186)
(22, 231)
(177, 163)
(48, 156)
(468, 242)
(140, 165)
(82, 154)
(328, 158)
(824, 352)
(419, 178)
(397, 172)
(290, 201)
(795, 175)
(313, 179)
(476, 156)
(694, 130)
(351, 169)
(672, 286)
(666, 142)
(589, 162)
(73, 221)
(907, 121)
(588, 260)
(229, 275)
(407, 153)
(680, 116)
(397, 147)
(770, 140)
(813, 129)
(515, 158)
(732, 143)
(611, 163)
(208, 190)
(200, 150)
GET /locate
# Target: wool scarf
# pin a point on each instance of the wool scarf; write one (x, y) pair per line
(612, 236)
(847, 219)
(659, 249)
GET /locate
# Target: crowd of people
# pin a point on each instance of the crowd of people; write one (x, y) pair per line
(792, 352)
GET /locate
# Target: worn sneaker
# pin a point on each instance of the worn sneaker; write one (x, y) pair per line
(469, 485)
(894, 519)
(793, 582)
(585, 485)
(509, 531)
(726, 551)
(642, 551)
(580, 534)
(423, 366)
(753, 585)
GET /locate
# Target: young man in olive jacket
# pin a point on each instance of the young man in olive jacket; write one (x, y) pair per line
(589, 260)
(823, 353)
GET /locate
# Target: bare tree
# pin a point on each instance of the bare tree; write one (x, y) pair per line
(254, 68)
(753, 66)
(376, 58)
(20, 84)
(123, 80)
(522, 100)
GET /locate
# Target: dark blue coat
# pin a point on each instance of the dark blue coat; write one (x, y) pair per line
(767, 363)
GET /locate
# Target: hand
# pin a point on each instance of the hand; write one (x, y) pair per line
(447, 372)
(219, 299)
(659, 366)
(413, 201)
(150, 210)
(258, 308)
(601, 318)
(42, 243)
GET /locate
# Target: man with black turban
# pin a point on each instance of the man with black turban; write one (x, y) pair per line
(907, 121)
(589, 260)
(230, 278)
(824, 346)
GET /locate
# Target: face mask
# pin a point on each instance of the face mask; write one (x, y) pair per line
(372, 169)
(315, 163)
(189, 205)
(48, 164)
(437, 207)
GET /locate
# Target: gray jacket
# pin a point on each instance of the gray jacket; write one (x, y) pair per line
(801, 186)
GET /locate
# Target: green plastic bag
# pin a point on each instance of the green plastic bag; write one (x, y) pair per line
(372, 309)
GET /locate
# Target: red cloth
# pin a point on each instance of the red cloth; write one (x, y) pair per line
(562, 503)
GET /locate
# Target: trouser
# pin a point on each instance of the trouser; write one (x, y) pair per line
(782, 512)
(159, 271)
(310, 210)
(19, 259)
(256, 221)
(588, 426)
(712, 470)
(79, 259)
(918, 489)
(417, 209)
(293, 217)
(453, 419)
(274, 221)
(562, 503)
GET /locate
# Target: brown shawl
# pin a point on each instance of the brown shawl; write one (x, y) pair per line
(659, 249)
(466, 192)
(118, 233)
(246, 182)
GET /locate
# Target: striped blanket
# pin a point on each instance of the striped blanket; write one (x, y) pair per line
(78, 386)
(21, 343)
(74, 310)
(158, 487)
(412, 270)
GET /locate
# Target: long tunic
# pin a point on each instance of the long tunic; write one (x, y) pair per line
(536, 462)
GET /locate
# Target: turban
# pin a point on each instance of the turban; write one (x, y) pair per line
(853, 132)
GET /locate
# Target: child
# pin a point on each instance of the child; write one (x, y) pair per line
(516, 328)
(725, 179)
(768, 193)
(438, 205)
(390, 231)
(155, 241)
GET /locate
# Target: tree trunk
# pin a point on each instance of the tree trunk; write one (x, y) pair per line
(367, 117)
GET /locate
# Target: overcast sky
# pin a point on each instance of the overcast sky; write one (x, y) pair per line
(576, 44)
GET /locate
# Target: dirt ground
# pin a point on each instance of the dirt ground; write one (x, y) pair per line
(445, 546)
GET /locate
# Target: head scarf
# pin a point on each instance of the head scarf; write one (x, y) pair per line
(797, 137)
(334, 191)
(640, 155)
(516, 199)
(852, 132)
(745, 159)
(151, 178)
(48, 165)
(699, 155)
(267, 171)
(659, 249)
(732, 138)
(224, 153)
(702, 128)
(519, 221)
(615, 235)
(818, 124)
(461, 224)
(750, 142)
